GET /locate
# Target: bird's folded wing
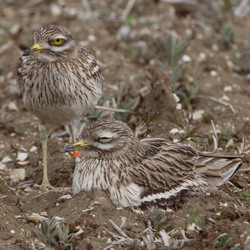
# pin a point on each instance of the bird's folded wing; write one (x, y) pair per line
(168, 172)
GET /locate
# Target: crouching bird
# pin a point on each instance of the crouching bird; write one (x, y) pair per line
(147, 172)
(59, 82)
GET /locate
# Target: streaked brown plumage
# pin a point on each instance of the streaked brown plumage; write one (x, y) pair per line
(151, 171)
(59, 80)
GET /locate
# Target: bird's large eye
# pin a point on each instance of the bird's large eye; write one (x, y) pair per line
(104, 139)
(58, 41)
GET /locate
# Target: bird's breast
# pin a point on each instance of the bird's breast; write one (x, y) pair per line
(57, 93)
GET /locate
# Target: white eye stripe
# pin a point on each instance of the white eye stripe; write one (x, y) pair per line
(107, 134)
(59, 37)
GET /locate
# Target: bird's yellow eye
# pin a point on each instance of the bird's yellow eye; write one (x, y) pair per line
(58, 41)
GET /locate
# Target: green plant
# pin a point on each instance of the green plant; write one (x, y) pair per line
(52, 234)
(228, 5)
(211, 208)
(187, 92)
(208, 115)
(158, 219)
(191, 134)
(194, 218)
(224, 240)
(174, 50)
(129, 19)
(245, 193)
(224, 137)
(226, 32)
(241, 62)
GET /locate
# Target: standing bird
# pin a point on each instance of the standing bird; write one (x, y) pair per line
(59, 82)
(151, 171)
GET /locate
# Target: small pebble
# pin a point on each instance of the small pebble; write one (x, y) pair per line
(123, 32)
(174, 131)
(202, 57)
(186, 58)
(17, 174)
(33, 149)
(178, 106)
(6, 159)
(12, 231)
(228, 89)
(22, 156)
(213, 73)
(225, 98)
(197, 115)
(176, 97)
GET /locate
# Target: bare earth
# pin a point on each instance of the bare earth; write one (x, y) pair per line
(133, 55)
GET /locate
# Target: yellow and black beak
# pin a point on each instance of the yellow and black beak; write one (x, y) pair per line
(35, 49)
(78, 146)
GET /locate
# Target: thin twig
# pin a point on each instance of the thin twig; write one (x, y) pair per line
(165, 238)
(214, 136)
(218, 101)
(88, 209)
(115, 110)
(127, 9)
(242, 9)
(118, 230)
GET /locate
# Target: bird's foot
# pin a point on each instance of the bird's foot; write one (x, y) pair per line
(46, 183)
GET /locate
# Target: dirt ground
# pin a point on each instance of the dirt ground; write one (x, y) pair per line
(210, 75)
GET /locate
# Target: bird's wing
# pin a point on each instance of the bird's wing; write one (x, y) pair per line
(170, 168)
(90, 64)
(166, 171)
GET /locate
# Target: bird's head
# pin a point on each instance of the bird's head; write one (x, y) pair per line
(51, 42)
(104, 137)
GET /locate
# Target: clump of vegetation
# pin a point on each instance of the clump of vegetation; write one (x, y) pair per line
(158, 220)
(54, 235)
(241, 61)
(191, 134)
(194, 219)
(245, 193)
(208, 115)
(224, 137)
(228, 5)
(224, 240)
(187, 92)
(226, 33)
(174, 50)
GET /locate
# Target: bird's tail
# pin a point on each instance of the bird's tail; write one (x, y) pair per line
(219, 168)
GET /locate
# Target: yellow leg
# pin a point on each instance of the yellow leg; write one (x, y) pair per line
(44, 137)
(73, 134)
